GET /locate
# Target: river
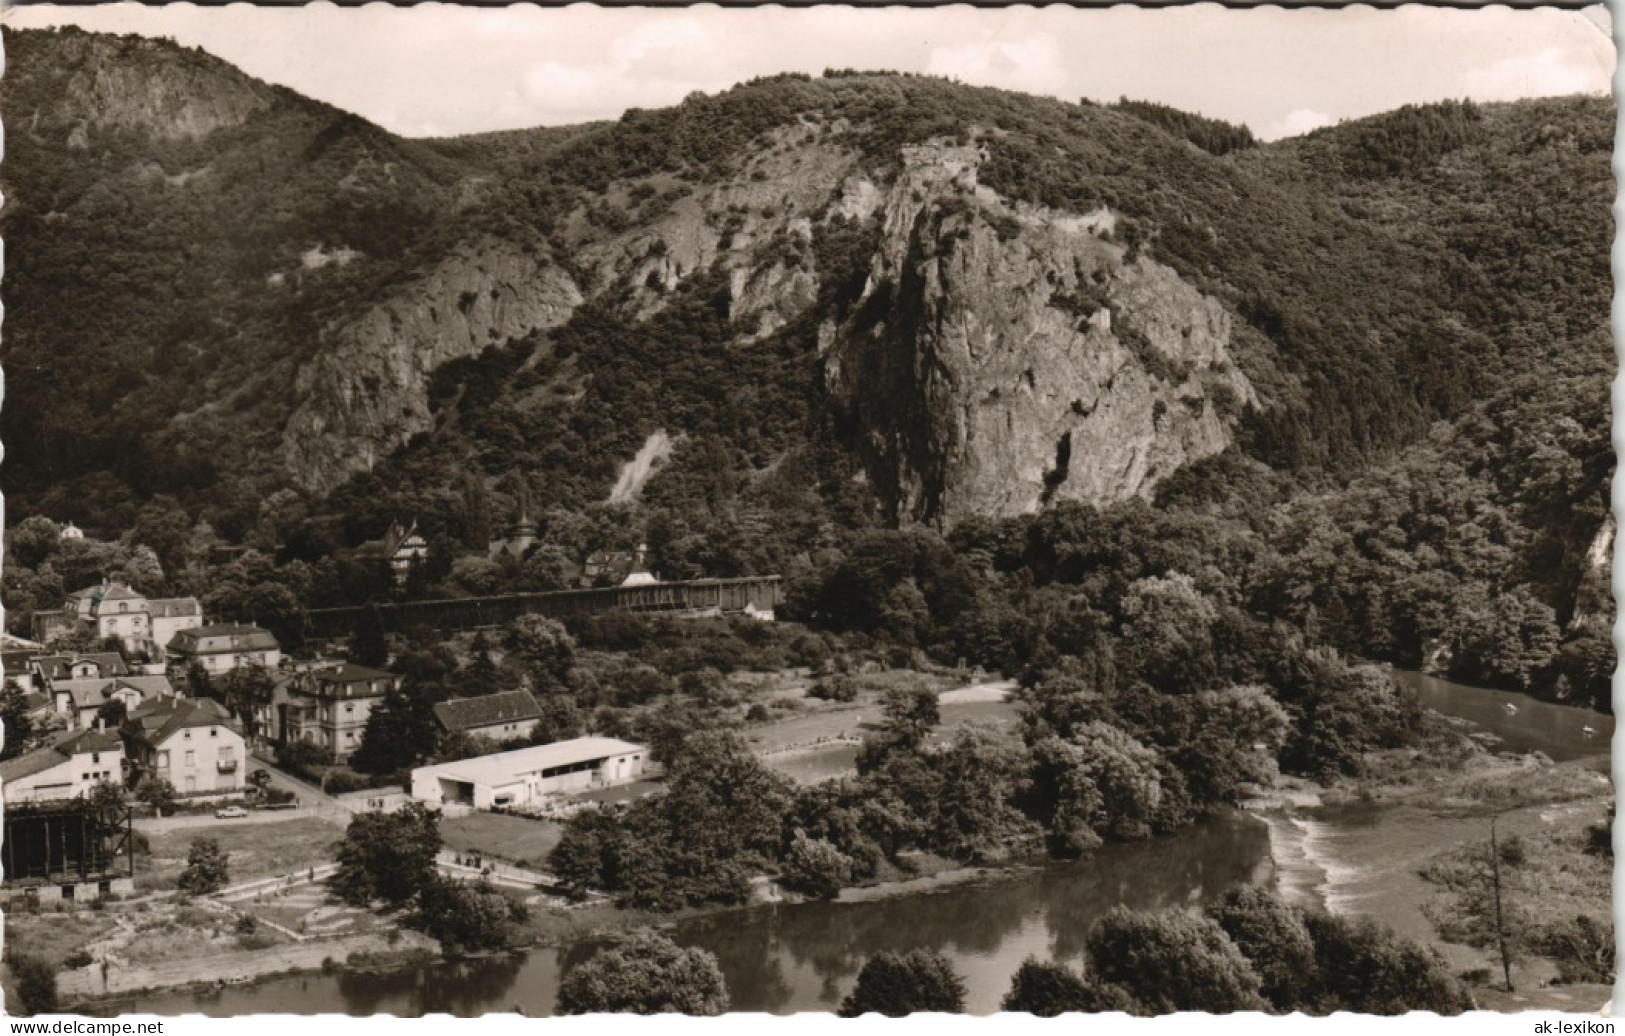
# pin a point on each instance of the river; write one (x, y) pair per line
(805, 957)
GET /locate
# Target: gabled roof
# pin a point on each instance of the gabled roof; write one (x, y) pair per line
(58, 667)
(155, 721)
(349, 672)
(65, 747)
(172, 607)
(91, 693)
(78, 742)
(469, 713)
(236, 638)
(30, 763)
(107, 592)
(15, 660)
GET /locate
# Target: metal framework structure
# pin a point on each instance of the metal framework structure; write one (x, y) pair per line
(697, 595)
(66, 840)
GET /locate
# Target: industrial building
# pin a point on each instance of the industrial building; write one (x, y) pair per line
(526, 776)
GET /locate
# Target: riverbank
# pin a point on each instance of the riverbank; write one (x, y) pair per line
(1380, 831)
(87, 986)
(554, 926)
(1361, 846)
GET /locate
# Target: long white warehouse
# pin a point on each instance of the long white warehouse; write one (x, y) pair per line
(526, 776)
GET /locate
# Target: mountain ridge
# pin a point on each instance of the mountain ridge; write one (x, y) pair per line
(483, 242)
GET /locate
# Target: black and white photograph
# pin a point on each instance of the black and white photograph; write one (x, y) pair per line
(853, 511)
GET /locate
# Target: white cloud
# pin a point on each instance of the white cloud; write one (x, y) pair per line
(460, 69)
(652, 64)
(1551, 71)
(1297, 122)
(662, 39)
(1032, 65)
(550, 85)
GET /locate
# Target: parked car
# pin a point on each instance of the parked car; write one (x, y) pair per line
(230, 812)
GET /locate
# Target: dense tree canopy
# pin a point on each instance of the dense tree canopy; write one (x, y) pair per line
(643, 972)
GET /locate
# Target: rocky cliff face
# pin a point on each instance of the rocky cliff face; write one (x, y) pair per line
(129, 84)
(366, 391)
(1004, 356)
(1593, 603)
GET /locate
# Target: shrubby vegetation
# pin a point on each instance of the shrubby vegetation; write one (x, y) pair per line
(1211, 135)
(207, 868)
(1249, 951)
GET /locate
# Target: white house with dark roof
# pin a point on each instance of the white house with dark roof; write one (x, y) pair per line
(509, 714)
(69, 767)
(526, 776)
(192, 742)
(222, 647)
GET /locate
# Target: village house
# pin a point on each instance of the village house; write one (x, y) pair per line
(77, 665)
(617, 568)
(528, 775)
(270, 717)
(80, 701)
(326, 706)
(44, 670)
(69, 767)
(17, 655)
(191, 742)
(116, 610)
(222, 647)
(402, 548)
(500, 717)
(171, 615)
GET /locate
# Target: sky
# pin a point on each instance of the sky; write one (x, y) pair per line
(441, 70)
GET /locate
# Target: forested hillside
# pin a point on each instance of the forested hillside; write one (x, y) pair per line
(1359, 378)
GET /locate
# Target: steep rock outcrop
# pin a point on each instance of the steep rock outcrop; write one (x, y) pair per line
(107, 83)
(1593, 598)
(365, 392)
(1005, 357)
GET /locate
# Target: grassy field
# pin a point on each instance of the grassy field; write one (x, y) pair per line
(515, 839)
(254, 851)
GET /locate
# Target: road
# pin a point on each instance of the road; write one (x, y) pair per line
(313, 803)
(310, 797)
(160, 825)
